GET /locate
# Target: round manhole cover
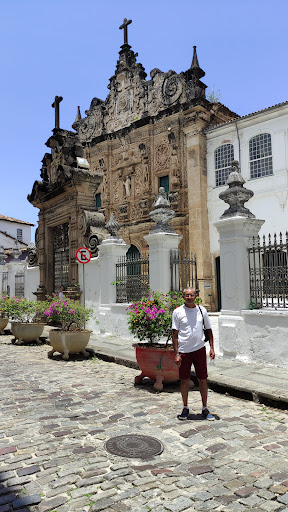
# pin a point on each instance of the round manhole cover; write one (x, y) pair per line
(134, 445)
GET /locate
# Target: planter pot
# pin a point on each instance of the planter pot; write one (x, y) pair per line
(3, 323)
(25, 332)
(69, 342)
(157, 363)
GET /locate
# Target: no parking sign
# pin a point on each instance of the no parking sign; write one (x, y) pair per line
(83, 255)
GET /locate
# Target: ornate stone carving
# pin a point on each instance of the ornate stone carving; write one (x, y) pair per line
(171, 89)
(162, 155)
(92, 125)
(32, 257)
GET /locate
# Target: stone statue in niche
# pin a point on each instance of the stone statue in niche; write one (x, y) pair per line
(127, 186)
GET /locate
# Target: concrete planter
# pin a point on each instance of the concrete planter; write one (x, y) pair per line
(26, 332)
(69, 342)
(3, 323)
(157, 363)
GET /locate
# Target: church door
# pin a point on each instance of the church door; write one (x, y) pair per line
(61, 256)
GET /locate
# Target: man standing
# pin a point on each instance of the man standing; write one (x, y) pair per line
(189, 347)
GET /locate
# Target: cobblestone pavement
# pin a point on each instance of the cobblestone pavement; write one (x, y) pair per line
(55, 417)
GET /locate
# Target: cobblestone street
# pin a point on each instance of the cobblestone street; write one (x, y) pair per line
(56, 416)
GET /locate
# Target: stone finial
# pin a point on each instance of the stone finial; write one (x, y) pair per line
(195, 70)
(112, 226)
(15, 253)
(2, 255)
(236, 195)
(78, 115)
(161, 213)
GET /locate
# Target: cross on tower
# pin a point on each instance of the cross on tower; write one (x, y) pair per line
(124, 26)
(55, 105)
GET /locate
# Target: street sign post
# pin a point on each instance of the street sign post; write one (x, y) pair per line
(83, 255)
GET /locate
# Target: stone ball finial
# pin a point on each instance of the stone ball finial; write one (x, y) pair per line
(236, 195)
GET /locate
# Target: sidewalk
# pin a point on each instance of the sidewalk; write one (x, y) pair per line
(265, 384)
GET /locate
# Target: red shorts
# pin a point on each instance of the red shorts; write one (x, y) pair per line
(198, 358)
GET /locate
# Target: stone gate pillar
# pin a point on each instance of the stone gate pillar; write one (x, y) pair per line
(161, 239)
(236, 229)
(110, 251)
(160, 245)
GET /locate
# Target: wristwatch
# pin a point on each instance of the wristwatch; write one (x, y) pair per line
(177, 355)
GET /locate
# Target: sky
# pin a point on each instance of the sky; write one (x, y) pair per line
(70, 48)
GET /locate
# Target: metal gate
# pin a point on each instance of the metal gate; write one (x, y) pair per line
(132, 278)
(19, 284)
(61, 256)
(5, 283)
(183, 271)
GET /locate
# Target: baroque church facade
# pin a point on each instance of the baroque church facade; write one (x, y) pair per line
(146, 134)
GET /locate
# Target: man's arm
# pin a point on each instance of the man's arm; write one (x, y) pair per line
(175, 346)
(211, 342)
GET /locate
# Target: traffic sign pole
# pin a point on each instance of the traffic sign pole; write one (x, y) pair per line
(83, 255)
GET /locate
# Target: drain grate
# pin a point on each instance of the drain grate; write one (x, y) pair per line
(133, 445)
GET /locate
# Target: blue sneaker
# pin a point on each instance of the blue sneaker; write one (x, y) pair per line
(184, 414)
(207, 415)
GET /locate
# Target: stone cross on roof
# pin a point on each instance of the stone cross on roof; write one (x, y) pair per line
(124, 26)
(55, 105)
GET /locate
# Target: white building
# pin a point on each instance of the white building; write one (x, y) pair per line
(259, 141)
(12, 230)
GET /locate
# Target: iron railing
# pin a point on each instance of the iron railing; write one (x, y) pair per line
(268, 267)
(19, 284)
(4, 282)
(183, 271)
(132, 278)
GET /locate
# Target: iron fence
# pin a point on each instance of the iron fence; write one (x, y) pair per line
(183, 270)
(132, 278)
(19, 284)
(268, 268)
(5, 283)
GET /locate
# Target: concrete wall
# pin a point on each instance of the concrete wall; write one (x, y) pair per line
(257, 336)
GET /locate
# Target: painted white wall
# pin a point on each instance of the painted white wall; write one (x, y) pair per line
(270, 200)
(10, 227)
(257, 336)
(32, 281)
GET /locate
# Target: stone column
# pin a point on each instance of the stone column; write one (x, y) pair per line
(110, 251)
(160, 245)
(235, 238)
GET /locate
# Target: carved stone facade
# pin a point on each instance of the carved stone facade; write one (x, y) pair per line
(145, 133)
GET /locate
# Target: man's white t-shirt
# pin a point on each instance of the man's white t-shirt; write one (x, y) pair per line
(189, 324)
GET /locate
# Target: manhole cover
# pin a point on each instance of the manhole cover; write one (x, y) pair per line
(134, 445)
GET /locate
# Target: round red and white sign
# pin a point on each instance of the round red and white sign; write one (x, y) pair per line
(83, 255)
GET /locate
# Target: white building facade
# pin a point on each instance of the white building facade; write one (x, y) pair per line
(259, 142)
(12, 230)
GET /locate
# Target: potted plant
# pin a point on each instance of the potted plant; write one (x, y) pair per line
(27, 319)
(150, 321)
(71, 337)
(4, 312)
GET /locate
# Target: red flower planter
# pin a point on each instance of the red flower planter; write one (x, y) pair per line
(157, 363)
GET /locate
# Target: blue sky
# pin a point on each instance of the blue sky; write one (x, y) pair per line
(69, 48)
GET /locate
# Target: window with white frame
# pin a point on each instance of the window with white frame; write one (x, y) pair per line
(20, 234)
(223, 156)
(260, 156)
